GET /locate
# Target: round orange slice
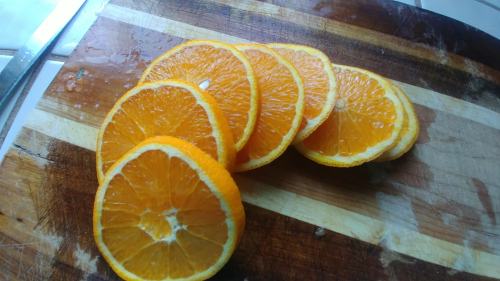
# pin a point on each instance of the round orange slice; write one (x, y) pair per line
(281, 107)
(221, 70)
(409, 132)
(320, 85)
(167, 211)
(164, 108)
(366, 120)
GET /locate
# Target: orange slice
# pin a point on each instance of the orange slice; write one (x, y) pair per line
(281, 107)
(409, 132)
(320, 85)
(164, 108)
(366, 121)
(222, 71)
(166, 210)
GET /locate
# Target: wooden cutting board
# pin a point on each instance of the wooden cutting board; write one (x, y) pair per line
(432, 214)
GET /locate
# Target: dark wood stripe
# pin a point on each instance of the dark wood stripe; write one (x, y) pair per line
(112, 65)
(25, 262)
(62, 195)
(273, 247)
(459, 83)
(10, 255)
(406, 22)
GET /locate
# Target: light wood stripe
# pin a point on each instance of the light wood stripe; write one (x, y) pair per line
(418, 95)
(308, 210)
(451, 105)
(62, 129)
(367, 229)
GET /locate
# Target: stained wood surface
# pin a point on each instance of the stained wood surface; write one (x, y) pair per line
(432, 214)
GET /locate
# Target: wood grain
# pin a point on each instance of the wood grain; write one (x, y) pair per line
(273, 247)
(432, 214)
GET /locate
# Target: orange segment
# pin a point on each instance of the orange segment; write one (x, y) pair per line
(223, 71)
(164, 108)
(409, 132)
(366, 120)
(167, 210)
(320, 85)
(281, 107)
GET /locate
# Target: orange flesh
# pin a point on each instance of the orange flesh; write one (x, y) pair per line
(227, 76)
(139, 207)
(361, 118)
(278, 97)
(315, 78)
(165, 111)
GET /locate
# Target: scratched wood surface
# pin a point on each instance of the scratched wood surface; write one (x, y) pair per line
(432, 214)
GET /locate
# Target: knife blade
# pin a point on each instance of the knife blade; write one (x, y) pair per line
(28, 54)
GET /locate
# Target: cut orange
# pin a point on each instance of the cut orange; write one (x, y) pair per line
(409, 132)
(166, 210)
(164, 108)
(220, 69)
(320, 86)
(281, 107)
(366, 121)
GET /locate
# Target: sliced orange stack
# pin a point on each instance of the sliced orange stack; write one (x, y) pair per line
(366, 121)
(165, 208)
